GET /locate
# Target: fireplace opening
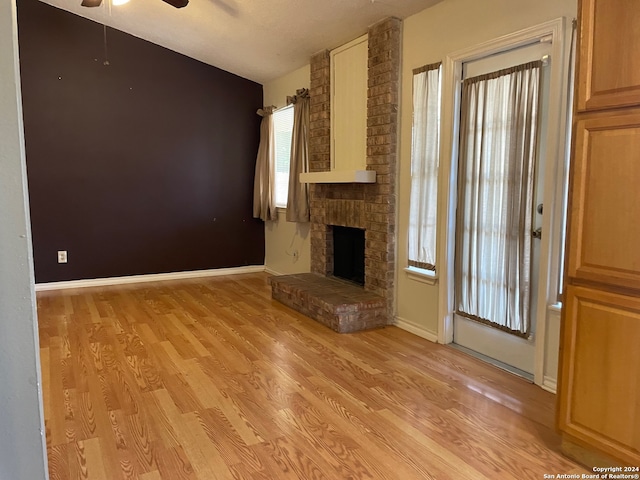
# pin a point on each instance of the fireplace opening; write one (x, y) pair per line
(348, 254)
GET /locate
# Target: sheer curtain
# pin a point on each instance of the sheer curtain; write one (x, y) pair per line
(263, 201)
(498, 136)
(298, 198)
(425, 151)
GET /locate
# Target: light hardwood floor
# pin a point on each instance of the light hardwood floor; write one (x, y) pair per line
(211, 379)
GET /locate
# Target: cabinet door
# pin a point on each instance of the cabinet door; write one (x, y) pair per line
(608, 73)
(600, 388)
(605, 201)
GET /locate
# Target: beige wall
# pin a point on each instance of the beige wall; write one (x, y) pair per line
(276, 91)
(287, 246)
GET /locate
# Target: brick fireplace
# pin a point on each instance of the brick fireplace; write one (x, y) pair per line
(371, 207)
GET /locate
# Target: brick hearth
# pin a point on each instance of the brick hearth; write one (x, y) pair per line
(371, 207)
(337, 304)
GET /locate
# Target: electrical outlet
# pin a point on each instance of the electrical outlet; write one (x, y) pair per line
(62, 256)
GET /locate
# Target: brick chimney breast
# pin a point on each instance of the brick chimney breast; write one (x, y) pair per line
(371, 207)
(368, 206)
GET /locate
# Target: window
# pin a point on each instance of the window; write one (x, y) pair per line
(425, 152)
(282, 126)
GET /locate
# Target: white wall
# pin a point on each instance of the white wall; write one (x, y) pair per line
(428, 37)
(22, 444)
(287, 244)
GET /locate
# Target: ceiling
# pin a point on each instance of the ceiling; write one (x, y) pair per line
(256, 39)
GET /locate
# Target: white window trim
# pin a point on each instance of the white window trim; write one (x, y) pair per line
(421, 275)
(452, 77)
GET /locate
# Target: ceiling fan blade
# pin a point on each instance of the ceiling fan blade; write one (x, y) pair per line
(173, 3)
(177, 3)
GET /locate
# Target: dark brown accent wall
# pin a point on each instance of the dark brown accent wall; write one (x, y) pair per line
(142, 166)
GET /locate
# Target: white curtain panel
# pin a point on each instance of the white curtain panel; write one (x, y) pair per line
(425, 152)
(498, 136)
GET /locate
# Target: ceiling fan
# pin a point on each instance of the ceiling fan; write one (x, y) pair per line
(173, 3)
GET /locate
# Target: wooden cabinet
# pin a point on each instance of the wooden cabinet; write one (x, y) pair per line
(605, 207)
(602, 375)
(608, 71)
(599, 381)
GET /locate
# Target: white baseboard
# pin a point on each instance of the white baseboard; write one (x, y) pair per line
(549, 384)
(156, 277)
(271, 271)
(416, 329)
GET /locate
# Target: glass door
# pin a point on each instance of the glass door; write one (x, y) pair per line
(500, 186)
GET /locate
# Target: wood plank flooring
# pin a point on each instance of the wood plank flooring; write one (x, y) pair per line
(211, 379)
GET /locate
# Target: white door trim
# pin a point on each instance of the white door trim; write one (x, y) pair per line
(452, 66)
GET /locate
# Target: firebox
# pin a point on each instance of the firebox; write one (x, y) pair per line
(348, 254)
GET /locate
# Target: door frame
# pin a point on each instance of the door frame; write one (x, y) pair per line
(555, 32)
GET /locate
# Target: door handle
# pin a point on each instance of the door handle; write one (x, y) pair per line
(537, 233)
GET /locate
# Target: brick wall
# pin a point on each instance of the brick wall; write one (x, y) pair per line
(320, 161)
(368, 206)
